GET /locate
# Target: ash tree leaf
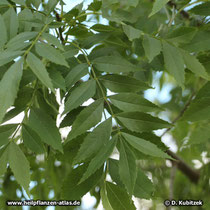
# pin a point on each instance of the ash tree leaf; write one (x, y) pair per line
(102, 28)
(11, 22)
(144, 146)
(99, 159)
(80, 94)
(120, 83)
(201, 9)
(194, 65)
(21, 38)
(50, 53)
(157, 6)
(52, 40)
(39, 70)
(134, 102)
(75, 74)
(36, 3)
(94, 141)
(70, 51)
(127, 166)
(19, 165)
(45, 127)
(7, 55)
(3, 32)
(21, 2)
(57, 79)
(200, 42)
(114, 64)
(104, 198)
(200, 135)
(4, 159)
(131, 32)
(139, 121)
(71, 116)
(143, 187)
(5, 132)
(86, 119)
(32, 140)
(10, 82)
(174, 62)
(198, 110)
(113, 166)
(118, 197)
(152, 47)
(181, 34)
(71, 188)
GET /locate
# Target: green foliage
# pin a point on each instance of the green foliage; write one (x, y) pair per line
(88, 71)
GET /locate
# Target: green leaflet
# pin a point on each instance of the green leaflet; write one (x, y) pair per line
(32, 140)
(201, 9)
(138, 121)
(6, 56)
(70, 51)
(75, 74)
(200, 42)
(20, 39)
(3, 32)
(4, 152)
(198, 110)
(200, 135)
(86, 119)
(11, 22)
(194, 65)
(134, 102)
(118, 197)
(102, 28)
(19, 165)
(104, 198)
(4, 2)
(39, 70)
(45, 127)
(143, 146)
(71, 187)
(50, 53)
(10, 81)
(143, 187)
(5, 132)
(94, 141)
(127, 166)
(80, 94)
(113, 166)
(21, 2)
(148, 136)
(36, 3)
(181, 34)
(152, 47)
(157, 6)
(120, 83)
(99, 159)
(174, 62)
(114, 64)
(57, 79)
(131, 32)
(71, 116)
(52, 40)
